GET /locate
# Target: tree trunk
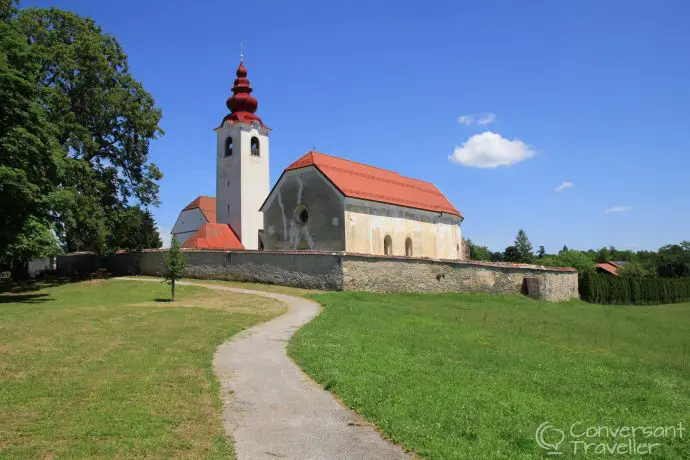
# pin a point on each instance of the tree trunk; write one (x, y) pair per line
(173, 289)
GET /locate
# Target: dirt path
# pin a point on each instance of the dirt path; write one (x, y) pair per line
(271, 409)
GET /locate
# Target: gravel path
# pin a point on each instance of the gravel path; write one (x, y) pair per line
(271, 409)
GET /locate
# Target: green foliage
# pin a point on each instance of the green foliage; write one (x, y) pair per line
(511, 254)
(541, 252)
(174, 265)
(607, 289)
(523, 247)
(674, 260)
(634, 269)
(569, 258)
(478, 252)
(133, 229)
(75, 129)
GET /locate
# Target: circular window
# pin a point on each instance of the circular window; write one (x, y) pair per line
(302, 214)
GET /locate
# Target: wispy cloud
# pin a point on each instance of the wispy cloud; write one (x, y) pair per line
(564, 185)
(619, 209)
(489, 150)
(486, 119)
(480, 119)
(165, 236)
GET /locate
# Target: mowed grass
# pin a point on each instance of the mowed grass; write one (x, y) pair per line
(110, 369)
(462, 376)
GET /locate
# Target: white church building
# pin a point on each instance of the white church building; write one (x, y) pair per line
(320, 202)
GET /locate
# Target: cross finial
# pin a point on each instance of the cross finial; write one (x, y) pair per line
(241, 52)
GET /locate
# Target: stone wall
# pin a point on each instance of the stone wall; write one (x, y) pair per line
(397, 274)
(341, 271)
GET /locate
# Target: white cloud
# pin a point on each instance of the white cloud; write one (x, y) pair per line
(564, 185)
(489, 150)
(481, 119)
(486, 118)
(165, 236)
(619, 209)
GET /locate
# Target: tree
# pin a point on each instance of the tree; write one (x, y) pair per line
(33, 241)
(523, 247)
(633, 269)
(674, 260)
(133, 229)
(511, 254)
(174, 265)
(570, 258)
(565, 249)
(30, 157)
(541, 252)
(478, 252)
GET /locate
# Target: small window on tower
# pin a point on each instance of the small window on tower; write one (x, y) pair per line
(255, 146)
(228, 146)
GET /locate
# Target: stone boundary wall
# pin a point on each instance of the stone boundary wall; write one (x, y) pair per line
(400, 274)
(342, 271)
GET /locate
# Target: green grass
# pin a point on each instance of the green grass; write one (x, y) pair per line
(461, 376)
(110, 369)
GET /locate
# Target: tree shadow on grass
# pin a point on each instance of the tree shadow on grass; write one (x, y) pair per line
(24, 298)
(160, 299)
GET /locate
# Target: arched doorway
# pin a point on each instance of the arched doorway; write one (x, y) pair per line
(408, 246)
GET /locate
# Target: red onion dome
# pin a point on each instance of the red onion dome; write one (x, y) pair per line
(242, 104)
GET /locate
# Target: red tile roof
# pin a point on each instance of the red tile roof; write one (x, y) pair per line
(207, 205)
(610, 268)
(357, 180)
(213, 236)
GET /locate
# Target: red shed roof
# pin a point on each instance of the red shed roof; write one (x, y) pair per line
(213, 236)
(610, 268)
(357, 180)
(207, 205)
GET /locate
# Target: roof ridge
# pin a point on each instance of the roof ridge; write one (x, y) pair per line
(360, 163)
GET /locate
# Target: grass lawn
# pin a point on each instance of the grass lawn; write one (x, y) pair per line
(470, 376)
(109, 369)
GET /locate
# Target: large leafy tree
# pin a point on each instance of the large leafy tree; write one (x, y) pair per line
(75, 128)
(30, 156)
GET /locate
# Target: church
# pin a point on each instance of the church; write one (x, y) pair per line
(320, 202)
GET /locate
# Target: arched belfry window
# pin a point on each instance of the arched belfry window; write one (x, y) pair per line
(228, 146)
(255, 148)
(408, 247)
(388, 245)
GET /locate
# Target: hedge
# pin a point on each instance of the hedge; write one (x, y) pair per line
(607, 289)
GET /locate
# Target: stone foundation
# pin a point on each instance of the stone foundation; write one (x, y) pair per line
(342, 271)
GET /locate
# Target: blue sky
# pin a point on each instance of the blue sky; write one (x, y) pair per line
(593, 93)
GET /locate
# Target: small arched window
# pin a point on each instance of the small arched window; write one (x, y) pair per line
(408, 247)
(228, 146)
(388, 245)
(254, 146)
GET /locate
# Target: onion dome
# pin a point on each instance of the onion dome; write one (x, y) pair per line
(242, 104)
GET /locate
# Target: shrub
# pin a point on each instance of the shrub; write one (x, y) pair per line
(606, 289)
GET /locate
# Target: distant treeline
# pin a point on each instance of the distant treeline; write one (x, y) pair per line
(670, 261)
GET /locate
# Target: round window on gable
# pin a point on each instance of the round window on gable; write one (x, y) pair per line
(301, 214)
(228, 146)
(255, 146)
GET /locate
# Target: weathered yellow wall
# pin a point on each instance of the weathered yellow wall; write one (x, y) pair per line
(432, 235)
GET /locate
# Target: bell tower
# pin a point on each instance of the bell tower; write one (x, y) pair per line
(242, 164)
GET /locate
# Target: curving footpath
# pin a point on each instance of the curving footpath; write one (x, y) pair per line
(271, 409)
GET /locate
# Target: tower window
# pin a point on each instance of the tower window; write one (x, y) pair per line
(301, 214)
(408, 247)
(228, 146)
(388, 245)
(254, 146)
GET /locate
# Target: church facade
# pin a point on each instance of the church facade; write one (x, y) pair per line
(320, 202)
